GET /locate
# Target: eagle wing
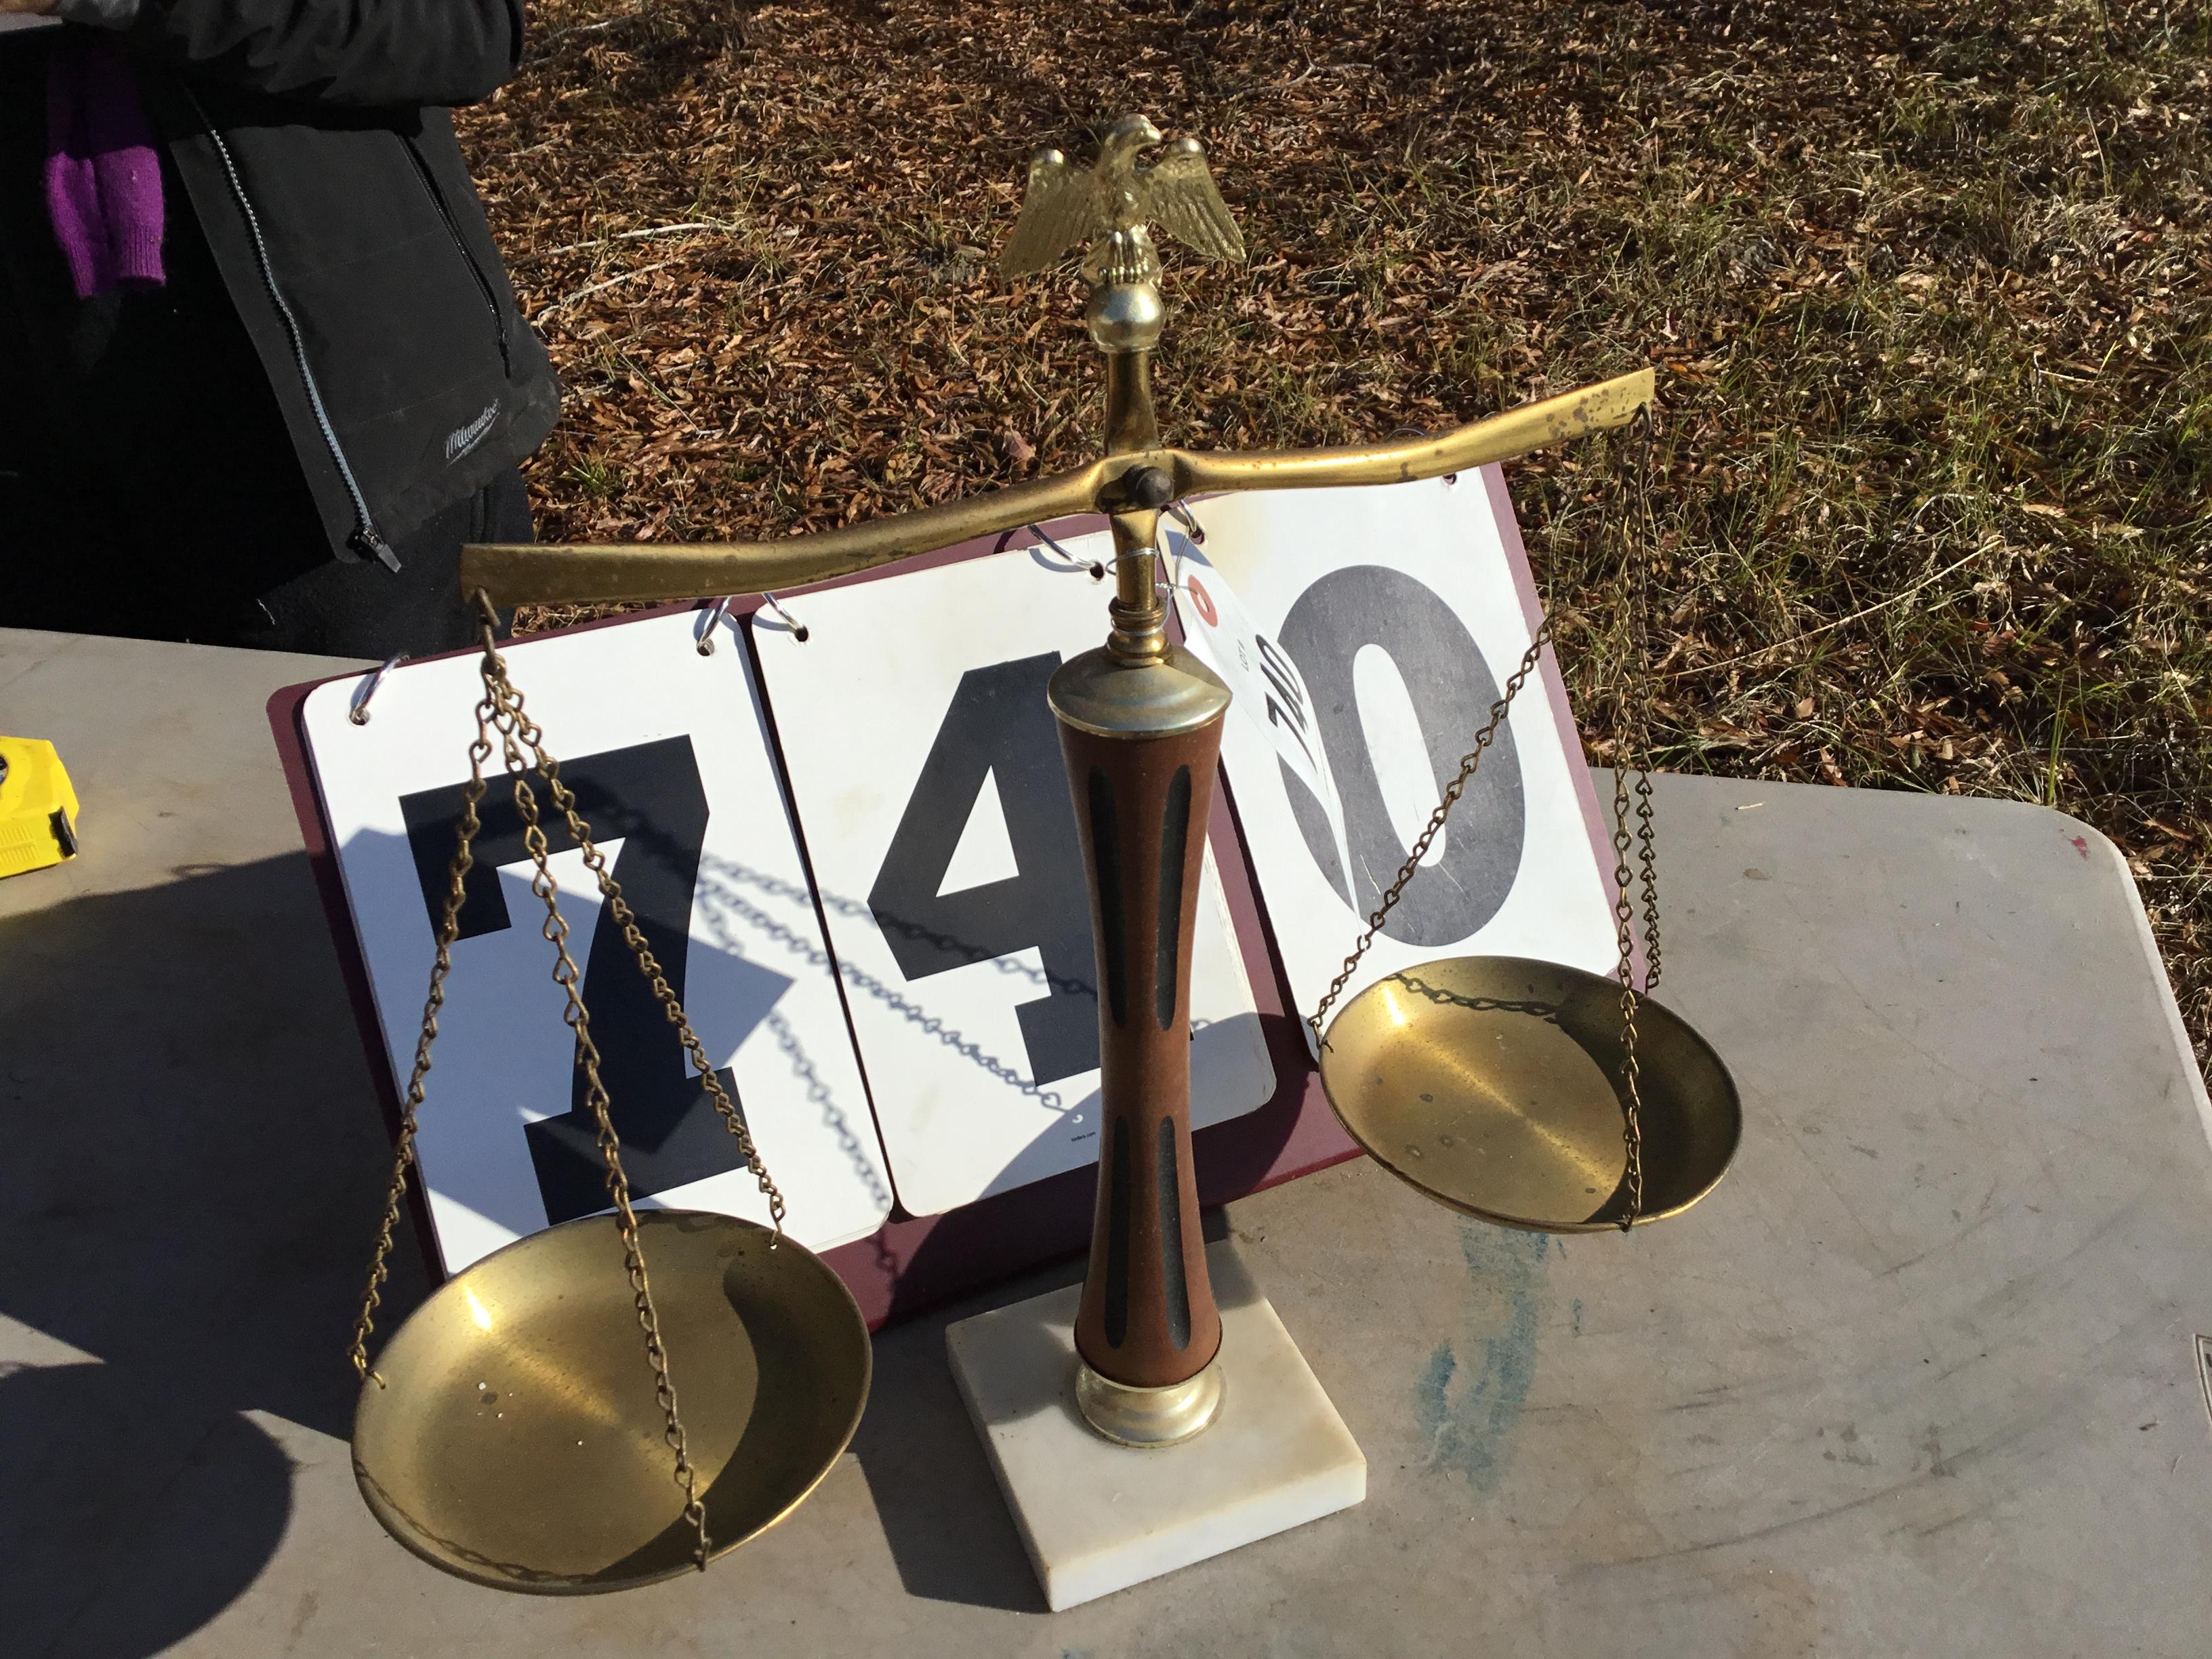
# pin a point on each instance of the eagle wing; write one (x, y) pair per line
(1177, 193)
(1056, 217)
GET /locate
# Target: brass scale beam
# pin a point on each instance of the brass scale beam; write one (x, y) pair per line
(598, 572)
(1139, 721)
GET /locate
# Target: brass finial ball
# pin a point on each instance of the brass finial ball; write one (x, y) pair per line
(1125, 317)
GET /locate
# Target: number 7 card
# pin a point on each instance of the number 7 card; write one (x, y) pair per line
(667, 754)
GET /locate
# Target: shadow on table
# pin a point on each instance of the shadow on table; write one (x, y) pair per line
(194, 1169)
(131, 1515)
(950, 1532)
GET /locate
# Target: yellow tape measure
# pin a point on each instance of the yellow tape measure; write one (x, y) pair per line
(38, 807)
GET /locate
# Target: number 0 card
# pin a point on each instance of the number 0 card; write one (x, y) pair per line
(667, 754)
(1366, 634)
(927, 768)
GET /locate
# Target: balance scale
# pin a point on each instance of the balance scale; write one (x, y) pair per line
(1162, 1414)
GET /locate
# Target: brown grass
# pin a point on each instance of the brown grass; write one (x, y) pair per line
(1927, 284)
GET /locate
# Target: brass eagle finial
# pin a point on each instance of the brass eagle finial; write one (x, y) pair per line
(1109, 204)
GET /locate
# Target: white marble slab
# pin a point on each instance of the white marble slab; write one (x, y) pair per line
(1096, 1517)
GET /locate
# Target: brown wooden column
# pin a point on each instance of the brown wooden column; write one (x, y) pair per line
(1141, 743)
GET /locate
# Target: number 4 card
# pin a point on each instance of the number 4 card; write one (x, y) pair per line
(926, 769)
(667, 754)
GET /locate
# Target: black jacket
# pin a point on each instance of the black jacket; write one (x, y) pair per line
(312, 138)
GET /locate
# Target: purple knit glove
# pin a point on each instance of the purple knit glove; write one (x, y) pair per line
(103, 173)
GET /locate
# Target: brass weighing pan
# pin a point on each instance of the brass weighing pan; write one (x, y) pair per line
(1494, 1086)
(517, 1440)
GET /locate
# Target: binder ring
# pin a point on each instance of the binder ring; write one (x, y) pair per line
(709, 620)
(358, 710)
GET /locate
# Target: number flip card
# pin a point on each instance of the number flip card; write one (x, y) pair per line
(668, 756)
(926, 769)
(1366, 634)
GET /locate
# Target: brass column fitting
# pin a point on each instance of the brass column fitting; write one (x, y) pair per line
(1138, 614)
(1146, 1418)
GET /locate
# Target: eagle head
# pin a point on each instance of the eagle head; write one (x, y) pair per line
(1131, 134)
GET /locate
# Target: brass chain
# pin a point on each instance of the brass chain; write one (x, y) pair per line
(1457, 787)
(624, 918)
(449, 927)
(509, 720)
(1642, 528)
(1624, 917)
(1637, 715)
(1634, 742)
(522, 751)
(1647, 858)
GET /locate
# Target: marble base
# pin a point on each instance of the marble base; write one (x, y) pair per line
(1096, 1517)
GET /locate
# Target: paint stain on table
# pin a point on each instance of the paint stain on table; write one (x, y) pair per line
(1468, 1398)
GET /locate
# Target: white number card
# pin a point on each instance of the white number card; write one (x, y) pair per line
(927, 768)
(1365, 634)
(667, 754)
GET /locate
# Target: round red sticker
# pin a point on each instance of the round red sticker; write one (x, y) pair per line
(1204, 601)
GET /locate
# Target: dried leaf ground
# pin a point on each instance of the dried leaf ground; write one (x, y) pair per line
(1927, 284)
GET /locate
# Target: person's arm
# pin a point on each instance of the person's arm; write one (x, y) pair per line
(363, 53)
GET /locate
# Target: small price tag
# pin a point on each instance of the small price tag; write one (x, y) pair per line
(1272, 701)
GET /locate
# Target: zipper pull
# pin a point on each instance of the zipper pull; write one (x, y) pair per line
(366, 540)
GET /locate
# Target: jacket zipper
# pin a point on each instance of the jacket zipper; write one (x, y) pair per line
(365, 538)
(483, 283)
